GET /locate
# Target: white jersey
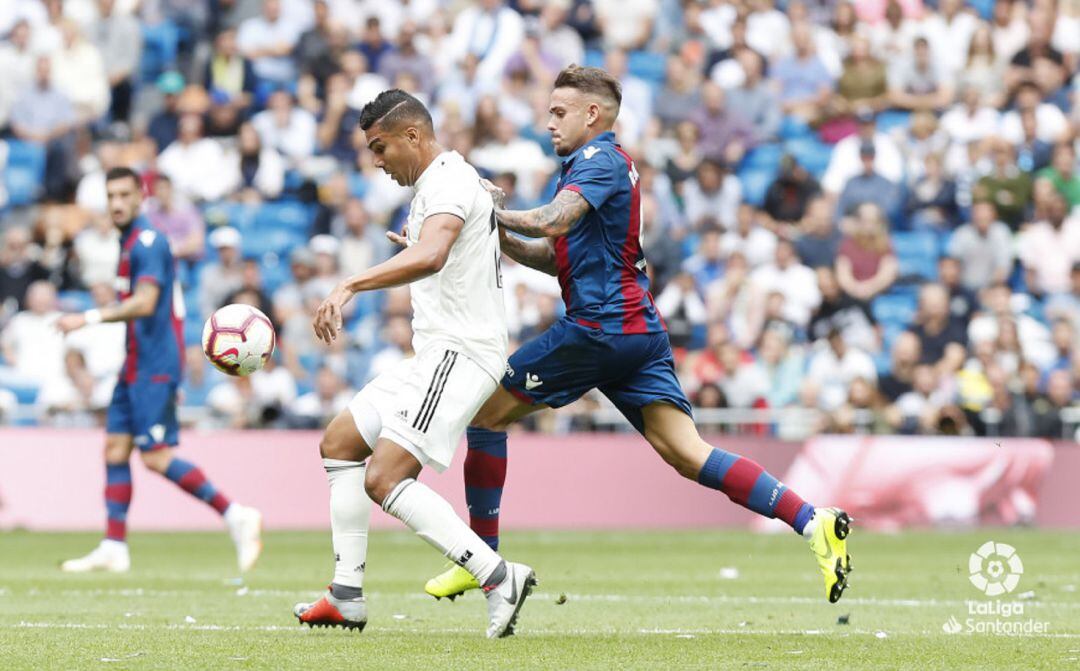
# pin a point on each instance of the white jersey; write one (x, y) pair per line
(460, 307)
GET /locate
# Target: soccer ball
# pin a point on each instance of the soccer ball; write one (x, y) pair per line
(238, 339)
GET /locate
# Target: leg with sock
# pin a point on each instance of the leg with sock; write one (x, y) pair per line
(191, 479)
(117, 500)
(485, 476)
(745, 482)
(350, 514)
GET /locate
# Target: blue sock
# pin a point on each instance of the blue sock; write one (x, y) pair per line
(745, 482)
(190, 478)
(117, 500)
(485, 475)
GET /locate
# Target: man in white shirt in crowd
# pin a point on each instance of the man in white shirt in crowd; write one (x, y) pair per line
(32, 346)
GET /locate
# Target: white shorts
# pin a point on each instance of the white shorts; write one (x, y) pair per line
(423, 404)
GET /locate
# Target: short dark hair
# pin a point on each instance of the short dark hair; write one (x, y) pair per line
(122, 172)
(393, 107)
(591, 80)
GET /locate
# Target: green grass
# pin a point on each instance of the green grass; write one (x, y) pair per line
(633, 600)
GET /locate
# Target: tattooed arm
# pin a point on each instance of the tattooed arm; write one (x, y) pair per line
(538, 254)
(548, 221)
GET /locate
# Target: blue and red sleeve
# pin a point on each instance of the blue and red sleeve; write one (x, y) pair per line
(595, 177)
(150, 259)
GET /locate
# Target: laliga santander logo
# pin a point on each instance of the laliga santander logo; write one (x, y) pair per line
(995, 568)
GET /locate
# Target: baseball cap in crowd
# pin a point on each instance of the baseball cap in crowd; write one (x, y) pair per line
(171, 82)
(324, 244)
(225, 236)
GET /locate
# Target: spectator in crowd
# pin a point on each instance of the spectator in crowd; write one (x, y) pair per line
(1062, 172)
(782, 366)
(19, 268)
(865, 263)
(920, 82)
(683, 309)
(845, 161)
(755, 99)
(228, 71)
(863, 84)
(164, 126)
(119, 39)
(803, 81)
(861, 413)
(706, 265)
(714, 194)
(723, 133)
(962, 300)
(905, 356)
(680, 94)
(255, 172)
(840, 312)
(219, 279)
(268, 41)
(17, 62)
(78, 72)
(178, 219)
(971, 119)
(1005, 185)
(97, 248)
(931, 201)
(942, 337)
(408, 59)
(101, 347)
(1032, 152)
(835, 366)
(787, 198)
(316, 408)
(195, 164)
(1051, 124)
(45, 116)
(685, 156)
(749, 238)
(286, 128)
(869, 187)
(362, 246)
(1049, 248)
(318, 48)
(796, 282)
(1066, 304)
(32, 346)
(1048, 409)
(919, 411)
(817, 239)
(489, 30)
(983, 70)
(983, 247)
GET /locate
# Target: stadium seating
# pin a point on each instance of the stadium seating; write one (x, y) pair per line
(25, 171)
(917, 252)
(160, 45)
(811, 153)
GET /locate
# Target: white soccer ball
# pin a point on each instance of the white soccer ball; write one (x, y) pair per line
(238, 339)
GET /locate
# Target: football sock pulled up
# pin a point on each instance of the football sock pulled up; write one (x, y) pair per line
(350, 514)
(117, 500)
(745, 482)
(191, 479)
(485, 475)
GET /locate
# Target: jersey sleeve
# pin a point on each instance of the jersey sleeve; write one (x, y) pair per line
(450, 196)
(596, 178)
(150, 259)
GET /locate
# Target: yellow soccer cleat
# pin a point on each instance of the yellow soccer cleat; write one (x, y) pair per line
(829, 543)
(451, 583)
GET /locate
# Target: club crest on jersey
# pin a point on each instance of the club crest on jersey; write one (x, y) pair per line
(147, 237)
(589, 151)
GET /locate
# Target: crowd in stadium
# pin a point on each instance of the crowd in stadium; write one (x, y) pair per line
(867, 208)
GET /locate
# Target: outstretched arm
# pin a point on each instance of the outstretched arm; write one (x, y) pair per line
(140, 304)
(547, 221)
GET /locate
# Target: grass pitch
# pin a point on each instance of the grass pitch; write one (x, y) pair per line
(686, 600)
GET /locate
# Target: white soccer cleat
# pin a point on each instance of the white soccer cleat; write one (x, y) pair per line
(111, 556)
(245, 528)
(506, 599)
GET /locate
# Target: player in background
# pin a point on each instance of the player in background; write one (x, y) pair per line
(612, 337)
(413, 415)
(142, 413)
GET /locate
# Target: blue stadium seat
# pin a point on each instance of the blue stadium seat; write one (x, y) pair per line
(648, 65)
(24, 394)
(75, 301)
(25, 171)
(193, 327)
(763, 157)
(890, 119)
(794, 128)
(294, 217)
(895, 308)
(594, 58)
(275, 272)
(985, 8)
(358, 186)
(811, 153)
(917, 252)
(274, 241)
(755, 183)
(160, 45)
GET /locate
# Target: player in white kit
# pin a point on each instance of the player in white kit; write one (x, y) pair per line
(415, 414)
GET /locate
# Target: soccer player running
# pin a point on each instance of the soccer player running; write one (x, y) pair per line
(142, 413)
(414, 414)
(612, 337)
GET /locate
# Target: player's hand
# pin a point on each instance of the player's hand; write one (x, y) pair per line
(328, 320)
(70, 322)
(498, 196)
(401, 240)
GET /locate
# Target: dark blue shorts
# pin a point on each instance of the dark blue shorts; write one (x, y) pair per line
(145, 410)
(569, 359)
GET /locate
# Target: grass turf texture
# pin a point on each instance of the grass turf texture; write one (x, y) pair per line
(633, 600)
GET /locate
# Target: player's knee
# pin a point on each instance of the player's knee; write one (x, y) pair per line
(378, 483)
(157, 460)
(333, 447)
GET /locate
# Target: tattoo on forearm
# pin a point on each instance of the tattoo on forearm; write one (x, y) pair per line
(537, 255)
(548, 221)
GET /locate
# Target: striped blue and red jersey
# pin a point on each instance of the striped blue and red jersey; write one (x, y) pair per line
(154, 343)
(600, 260)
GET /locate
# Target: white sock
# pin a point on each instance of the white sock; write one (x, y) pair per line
(808, 530)
(350, 513)
(432, 518)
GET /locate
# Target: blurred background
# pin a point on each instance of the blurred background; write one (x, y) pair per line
(860, 217)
